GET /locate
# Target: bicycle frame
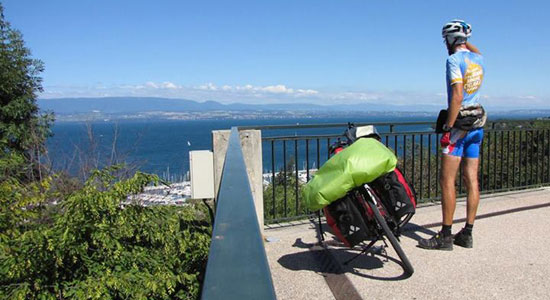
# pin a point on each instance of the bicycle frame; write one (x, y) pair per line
(376, 218)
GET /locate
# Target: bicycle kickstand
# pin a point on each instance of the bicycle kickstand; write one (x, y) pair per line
(367, 248)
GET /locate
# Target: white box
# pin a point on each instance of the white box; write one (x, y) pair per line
(201, 164)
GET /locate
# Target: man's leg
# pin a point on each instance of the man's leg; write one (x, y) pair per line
(444, 239)
(447, 179)
(470, 169)
(464, 237)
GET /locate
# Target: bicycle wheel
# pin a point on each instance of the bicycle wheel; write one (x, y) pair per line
(406, 263)
(404, 220)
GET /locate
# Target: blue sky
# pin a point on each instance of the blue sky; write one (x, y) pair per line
(323, 52)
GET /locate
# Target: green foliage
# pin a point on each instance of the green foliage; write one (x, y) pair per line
(424, 164)
(60, 239)
(23, 129)
(98, 243)
(516, 154)
(285, 185)
(12, 165)
(516, 158)
(284, 189)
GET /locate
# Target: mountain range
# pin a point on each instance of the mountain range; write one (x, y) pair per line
(117, 105)
(137, 105)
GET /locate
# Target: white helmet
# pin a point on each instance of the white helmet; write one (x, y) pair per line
(456, 32)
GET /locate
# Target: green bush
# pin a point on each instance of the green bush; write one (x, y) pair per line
(98, 243)
(61, 239)
(284, 186)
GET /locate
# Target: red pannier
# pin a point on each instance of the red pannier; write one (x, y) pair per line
(349, 217)
(397, 195)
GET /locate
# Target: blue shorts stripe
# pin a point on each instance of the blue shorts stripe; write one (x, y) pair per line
(469, 145)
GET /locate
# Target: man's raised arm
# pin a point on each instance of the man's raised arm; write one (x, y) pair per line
(472, 48)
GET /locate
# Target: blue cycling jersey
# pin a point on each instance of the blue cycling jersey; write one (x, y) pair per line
(467, 68)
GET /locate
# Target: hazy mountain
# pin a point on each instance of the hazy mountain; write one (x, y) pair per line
(116, 105)
(134, 105)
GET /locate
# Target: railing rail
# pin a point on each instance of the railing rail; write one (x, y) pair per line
(390, 125)
(237, 264)
(510, 159)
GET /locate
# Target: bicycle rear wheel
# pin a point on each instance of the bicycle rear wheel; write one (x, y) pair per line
(407, 266)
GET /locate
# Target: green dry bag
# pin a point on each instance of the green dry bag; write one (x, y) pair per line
(362, 162)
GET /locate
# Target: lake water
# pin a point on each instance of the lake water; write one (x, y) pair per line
(162, 147)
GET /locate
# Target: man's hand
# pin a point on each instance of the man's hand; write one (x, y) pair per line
(445, 139)
(472, 48)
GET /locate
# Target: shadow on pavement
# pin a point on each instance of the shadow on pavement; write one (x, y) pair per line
(411, 231)
(330, 261)
(368, 262)
(302, 261)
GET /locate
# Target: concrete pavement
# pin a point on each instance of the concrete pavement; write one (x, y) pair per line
(510, 258)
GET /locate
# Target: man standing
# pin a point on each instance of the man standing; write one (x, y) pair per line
(465, 72)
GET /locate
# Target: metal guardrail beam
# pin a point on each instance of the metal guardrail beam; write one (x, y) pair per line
(237, 264)
(330, 125)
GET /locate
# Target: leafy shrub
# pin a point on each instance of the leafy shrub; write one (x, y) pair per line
(97, 243)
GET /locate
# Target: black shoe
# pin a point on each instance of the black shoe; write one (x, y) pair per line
(437, 242)
(463, 239)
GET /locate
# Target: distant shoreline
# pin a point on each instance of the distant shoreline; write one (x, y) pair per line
(229, 115)
(154, 109)
(271, 115)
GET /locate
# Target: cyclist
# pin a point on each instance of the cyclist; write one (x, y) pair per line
(465, 72)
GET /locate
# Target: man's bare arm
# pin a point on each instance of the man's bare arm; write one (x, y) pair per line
(472, 48)
(456, 103)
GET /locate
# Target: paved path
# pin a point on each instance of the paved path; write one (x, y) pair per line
(510, 258)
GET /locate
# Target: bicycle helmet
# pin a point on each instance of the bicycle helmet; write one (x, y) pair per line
(456, 32)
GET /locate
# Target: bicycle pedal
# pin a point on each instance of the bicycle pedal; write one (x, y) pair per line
(380, 250)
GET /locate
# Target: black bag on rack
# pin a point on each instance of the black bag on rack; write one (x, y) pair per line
(397, 195)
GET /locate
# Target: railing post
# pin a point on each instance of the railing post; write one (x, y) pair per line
(251, 143)
(220, 140)
(237, 263)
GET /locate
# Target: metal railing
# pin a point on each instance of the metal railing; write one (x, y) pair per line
(510, 159)
(237, 264)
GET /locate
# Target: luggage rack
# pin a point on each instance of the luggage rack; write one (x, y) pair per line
(375, 228)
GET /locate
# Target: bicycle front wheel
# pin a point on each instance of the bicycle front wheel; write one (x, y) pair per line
(395, 244)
